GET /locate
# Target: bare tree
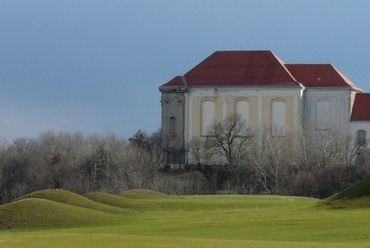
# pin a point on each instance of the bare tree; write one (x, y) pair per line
(57, 150)
(202, 152)
(231, 139)
(329, 147)
(19, 160)
(315, 152)
(271, 159)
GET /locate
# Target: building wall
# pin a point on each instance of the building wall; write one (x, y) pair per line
(173, 120)
(327, 109)
(355, 127)
(258, 100)
(183, 114)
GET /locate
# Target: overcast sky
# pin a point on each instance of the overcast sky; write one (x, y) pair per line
(95, 66)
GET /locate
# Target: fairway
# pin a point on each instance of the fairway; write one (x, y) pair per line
(201, 221)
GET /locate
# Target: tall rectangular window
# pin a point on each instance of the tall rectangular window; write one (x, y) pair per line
(278, 118)
(242, 109)
(323, 114)
(207, 115)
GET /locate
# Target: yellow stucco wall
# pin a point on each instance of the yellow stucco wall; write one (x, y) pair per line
(253, 109)
(266, 108)
(197, 109)
(289, 111)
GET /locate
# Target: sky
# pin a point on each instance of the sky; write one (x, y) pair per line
(94, 66)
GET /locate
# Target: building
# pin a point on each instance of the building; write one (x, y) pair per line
(266, 93)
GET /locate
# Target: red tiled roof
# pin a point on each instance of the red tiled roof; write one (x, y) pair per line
(319, 75)
(361, 107)
(235, 68)
(226, 68)
(258, 68)
(176, 81)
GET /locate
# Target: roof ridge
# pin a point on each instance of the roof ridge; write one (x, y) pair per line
(286, 69)
(248, 51)
(320, 75)
(349, 82)
(309, 64)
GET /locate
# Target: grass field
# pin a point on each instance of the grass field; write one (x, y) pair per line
(143, 218)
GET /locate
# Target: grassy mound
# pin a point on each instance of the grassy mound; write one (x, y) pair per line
(145, 194)
(42, 213)
(213, 221)
(109, 199)
(73, 199)
(356, 196)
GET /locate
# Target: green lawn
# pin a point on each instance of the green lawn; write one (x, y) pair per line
(193, 221)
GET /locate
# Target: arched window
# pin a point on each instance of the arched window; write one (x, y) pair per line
(207, 115)
(278, 118)
(242, 109)
(323, 114)
(361, 138)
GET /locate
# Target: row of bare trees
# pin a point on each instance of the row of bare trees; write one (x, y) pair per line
(266, 161)
(86, 163)
(230, 158)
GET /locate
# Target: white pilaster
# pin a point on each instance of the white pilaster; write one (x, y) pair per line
(224, 108)
(259, 112)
